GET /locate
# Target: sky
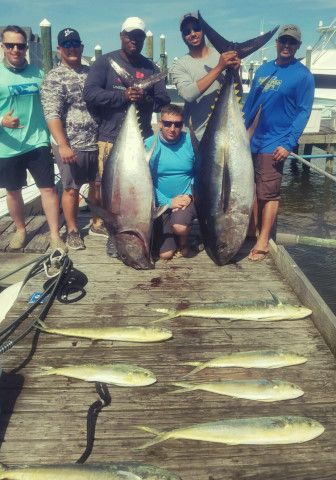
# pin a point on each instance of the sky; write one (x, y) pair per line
(99, 21)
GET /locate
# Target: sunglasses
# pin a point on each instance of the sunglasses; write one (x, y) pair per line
(168, 124)
(289, 40)
(19, 46)
(71, 44)
(187, 30)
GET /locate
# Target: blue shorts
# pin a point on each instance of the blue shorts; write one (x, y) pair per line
(39, 162)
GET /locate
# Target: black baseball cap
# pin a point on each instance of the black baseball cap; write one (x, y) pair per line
(67, 34)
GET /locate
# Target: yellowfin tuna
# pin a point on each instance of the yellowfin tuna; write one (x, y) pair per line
(245, 431)
(261, 390)
(121, 374)
(121, 334)
(251, 359)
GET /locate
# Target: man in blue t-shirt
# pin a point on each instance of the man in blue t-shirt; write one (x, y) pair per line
(172, 168)
(277, 110)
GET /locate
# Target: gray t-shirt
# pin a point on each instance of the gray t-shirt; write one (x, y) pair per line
(186, 71)
(62, 97)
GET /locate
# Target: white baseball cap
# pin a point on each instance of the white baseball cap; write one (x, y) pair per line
(133, 23)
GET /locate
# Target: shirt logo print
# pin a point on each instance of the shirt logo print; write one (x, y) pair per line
(270, 84)
(23, 89)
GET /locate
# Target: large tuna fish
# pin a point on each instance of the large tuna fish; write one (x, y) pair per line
(224, 183)
(127, 187)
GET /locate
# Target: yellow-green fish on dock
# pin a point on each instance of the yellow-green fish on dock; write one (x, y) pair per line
(121, 374)
(266, 311)
(251, 359)
(118, 471)
(121, 334)
(245, 431)
(262, 390)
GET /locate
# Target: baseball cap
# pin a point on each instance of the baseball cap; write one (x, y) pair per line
(290, 31)
(188, 16)
(67, 34)
(133, 23)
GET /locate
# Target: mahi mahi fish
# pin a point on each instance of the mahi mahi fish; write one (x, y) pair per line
(245, 431)
(266, 311)
(117, 471)
(121, 374)
(262, 390)
(121, 334)
(127, 187)
(224, 181)
(251, 359)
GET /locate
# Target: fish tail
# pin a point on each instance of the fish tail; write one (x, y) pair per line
(45, 371)
(185, 387)
(41, 325)
(171, 314)
(159, 437)
(195, 370)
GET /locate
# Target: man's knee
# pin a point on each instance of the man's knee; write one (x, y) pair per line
(180, 229)
(47, 190)
(167, 255)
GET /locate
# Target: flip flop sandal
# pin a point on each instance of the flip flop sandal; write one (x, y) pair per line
(263, 254)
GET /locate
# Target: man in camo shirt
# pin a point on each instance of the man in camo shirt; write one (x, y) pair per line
(74, 132)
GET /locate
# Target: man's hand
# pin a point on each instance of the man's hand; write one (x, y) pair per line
(9, 121)
(228, 60)
(180, 202)
(134, 94)
(280, 153)
(67, 154)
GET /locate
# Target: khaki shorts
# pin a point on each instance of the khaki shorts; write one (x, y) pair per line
(267, 176)
(104, 149)
(84, 170)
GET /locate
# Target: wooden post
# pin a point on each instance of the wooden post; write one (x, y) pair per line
(330, 161)
(149, 45)
(47, 61)
(250, 72)
(98, 51)
(308, 57)
(162, 52)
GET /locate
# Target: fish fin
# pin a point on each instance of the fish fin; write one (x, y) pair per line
(151, 150)
(125, 76)
(185, 387)
(3, 468)
(276, 299)
(194, 140)
(41, 325)
(150, 81)
(195, 370)
(45, 371)
(159, 211)
(160, 437)
(167, 317)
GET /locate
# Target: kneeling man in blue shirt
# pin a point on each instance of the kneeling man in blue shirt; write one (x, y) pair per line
(172, 167)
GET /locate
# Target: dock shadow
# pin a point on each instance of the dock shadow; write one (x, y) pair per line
(11, 385)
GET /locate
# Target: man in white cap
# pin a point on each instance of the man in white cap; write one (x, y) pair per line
(282, 92)
(106, 94)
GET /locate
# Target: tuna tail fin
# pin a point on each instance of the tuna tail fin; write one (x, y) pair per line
(150, 81)
(185, 387)
(276, 299)
(160, 437)
(243, 49)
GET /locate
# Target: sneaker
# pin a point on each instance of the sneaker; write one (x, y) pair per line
(18, 240)
(58, 244)
(74, 241)
(111, 248)
(99, 230)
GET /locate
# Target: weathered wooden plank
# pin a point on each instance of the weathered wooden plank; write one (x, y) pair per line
(5, 222)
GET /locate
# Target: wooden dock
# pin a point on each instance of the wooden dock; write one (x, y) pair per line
(43, 419)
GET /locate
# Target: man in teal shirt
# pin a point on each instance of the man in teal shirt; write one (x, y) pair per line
(172, 168)
(24, 138)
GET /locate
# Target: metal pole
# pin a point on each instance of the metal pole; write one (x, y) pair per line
(326, 174)
(47, 61)
(149, 45)
(98, 51)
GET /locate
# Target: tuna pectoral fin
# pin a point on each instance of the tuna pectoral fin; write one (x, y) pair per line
(151, 150)
(150, 81)
(159, 211)
(160, 437)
